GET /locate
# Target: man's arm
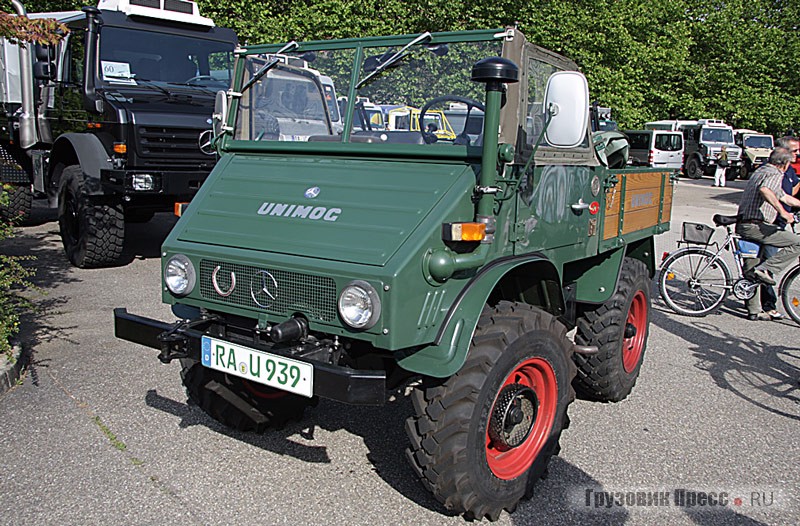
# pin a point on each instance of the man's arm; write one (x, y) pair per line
(770, 197)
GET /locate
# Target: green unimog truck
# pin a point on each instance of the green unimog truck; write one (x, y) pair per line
(345, 265)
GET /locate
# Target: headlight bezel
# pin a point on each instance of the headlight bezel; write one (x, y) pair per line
(371, 294)
(180, 261)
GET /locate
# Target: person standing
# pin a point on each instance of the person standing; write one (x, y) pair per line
(759, 206)
(722, 166)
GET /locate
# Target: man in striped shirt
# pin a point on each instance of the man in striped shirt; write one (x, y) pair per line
(760, 205)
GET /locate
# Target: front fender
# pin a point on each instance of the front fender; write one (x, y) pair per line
(86, 150)
(510, 278)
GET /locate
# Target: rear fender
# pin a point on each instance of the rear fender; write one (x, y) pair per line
(531, 279)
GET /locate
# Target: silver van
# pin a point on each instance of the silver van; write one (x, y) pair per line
(656, 148)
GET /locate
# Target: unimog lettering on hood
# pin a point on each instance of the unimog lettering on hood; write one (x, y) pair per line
(303, 212)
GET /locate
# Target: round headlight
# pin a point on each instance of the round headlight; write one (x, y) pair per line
(179, 275)
(359, 305)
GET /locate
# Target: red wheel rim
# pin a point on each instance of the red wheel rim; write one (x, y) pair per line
(538, 375)
(633, 347)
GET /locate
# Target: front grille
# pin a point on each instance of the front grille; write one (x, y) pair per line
(314, 296)
(170, 145)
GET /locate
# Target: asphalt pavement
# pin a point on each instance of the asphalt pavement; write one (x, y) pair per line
(100, 432)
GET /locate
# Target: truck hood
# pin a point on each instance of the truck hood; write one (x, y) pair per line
(191, 106)
(349, 210)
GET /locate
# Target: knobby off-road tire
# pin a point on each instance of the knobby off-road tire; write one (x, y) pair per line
(619, 329)
(238, 403)
(468, 437)
(20, 202)
(92, 234)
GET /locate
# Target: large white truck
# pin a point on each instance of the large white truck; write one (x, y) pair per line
(703, 140)
(108, 124)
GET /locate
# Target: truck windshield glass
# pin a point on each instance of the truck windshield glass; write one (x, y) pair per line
(717, 135)
(758, 141)
(388, 106)
(288, 103)
(128, 56)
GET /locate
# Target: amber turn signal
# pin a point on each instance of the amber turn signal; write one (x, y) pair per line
(180, 208)
(463, 231)
(120, 147)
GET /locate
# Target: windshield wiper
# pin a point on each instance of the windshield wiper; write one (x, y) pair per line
(394, 58)
(274, 61)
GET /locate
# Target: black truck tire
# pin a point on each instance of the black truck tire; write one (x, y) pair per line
(619, 329)
(693, 168)
(92, 234)
(238, 403)
(20, 202)
(481, 438)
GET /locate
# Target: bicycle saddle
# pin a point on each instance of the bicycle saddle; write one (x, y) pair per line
(721, 220)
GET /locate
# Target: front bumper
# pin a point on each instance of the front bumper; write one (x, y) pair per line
(177, 185)
(351, 386)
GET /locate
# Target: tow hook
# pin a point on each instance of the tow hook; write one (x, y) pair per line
(174, 343)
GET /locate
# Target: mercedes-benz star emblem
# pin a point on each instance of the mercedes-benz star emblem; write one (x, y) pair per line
(312, 192)
(263, 289)
(204, 141)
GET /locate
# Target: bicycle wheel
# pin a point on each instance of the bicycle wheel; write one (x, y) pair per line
(693, 281)
(790, 293)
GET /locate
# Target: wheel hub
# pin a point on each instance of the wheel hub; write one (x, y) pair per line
(513, 416)
(630, 330)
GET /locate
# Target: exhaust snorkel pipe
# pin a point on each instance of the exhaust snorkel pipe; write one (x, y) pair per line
(494, 72)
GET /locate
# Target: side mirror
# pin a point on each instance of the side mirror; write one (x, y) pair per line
(566, 100)
(44, 52)
(220, 116)
(44, 70)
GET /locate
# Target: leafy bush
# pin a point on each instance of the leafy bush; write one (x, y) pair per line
(13, 280)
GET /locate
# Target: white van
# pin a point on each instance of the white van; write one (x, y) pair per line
(655, 148)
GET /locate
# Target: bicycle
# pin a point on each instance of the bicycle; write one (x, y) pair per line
(695, 280)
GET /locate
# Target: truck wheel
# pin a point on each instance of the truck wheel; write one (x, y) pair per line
(239, 404)
(20, 202)
(481, 438)
(92, 234)
(693, 169)
(744, 172)
(619, 328)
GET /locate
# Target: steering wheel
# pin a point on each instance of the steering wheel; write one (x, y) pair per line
(431, 138)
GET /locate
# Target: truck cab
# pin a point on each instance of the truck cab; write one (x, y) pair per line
(120, 111)
(756, 148)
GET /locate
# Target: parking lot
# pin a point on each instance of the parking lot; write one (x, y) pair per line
(100, 432)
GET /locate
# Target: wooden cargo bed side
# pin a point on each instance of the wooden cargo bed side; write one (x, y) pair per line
(638, 205)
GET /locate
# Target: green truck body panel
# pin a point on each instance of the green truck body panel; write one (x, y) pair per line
(316, 212)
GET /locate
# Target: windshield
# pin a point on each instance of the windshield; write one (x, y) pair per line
(287, 104)
(717, 135)
(133, 57)
(759, 141)
(424, 72)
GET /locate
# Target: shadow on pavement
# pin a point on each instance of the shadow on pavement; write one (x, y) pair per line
(383, 432)
(754, 370)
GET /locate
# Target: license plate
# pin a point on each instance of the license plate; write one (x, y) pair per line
(258, 366)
